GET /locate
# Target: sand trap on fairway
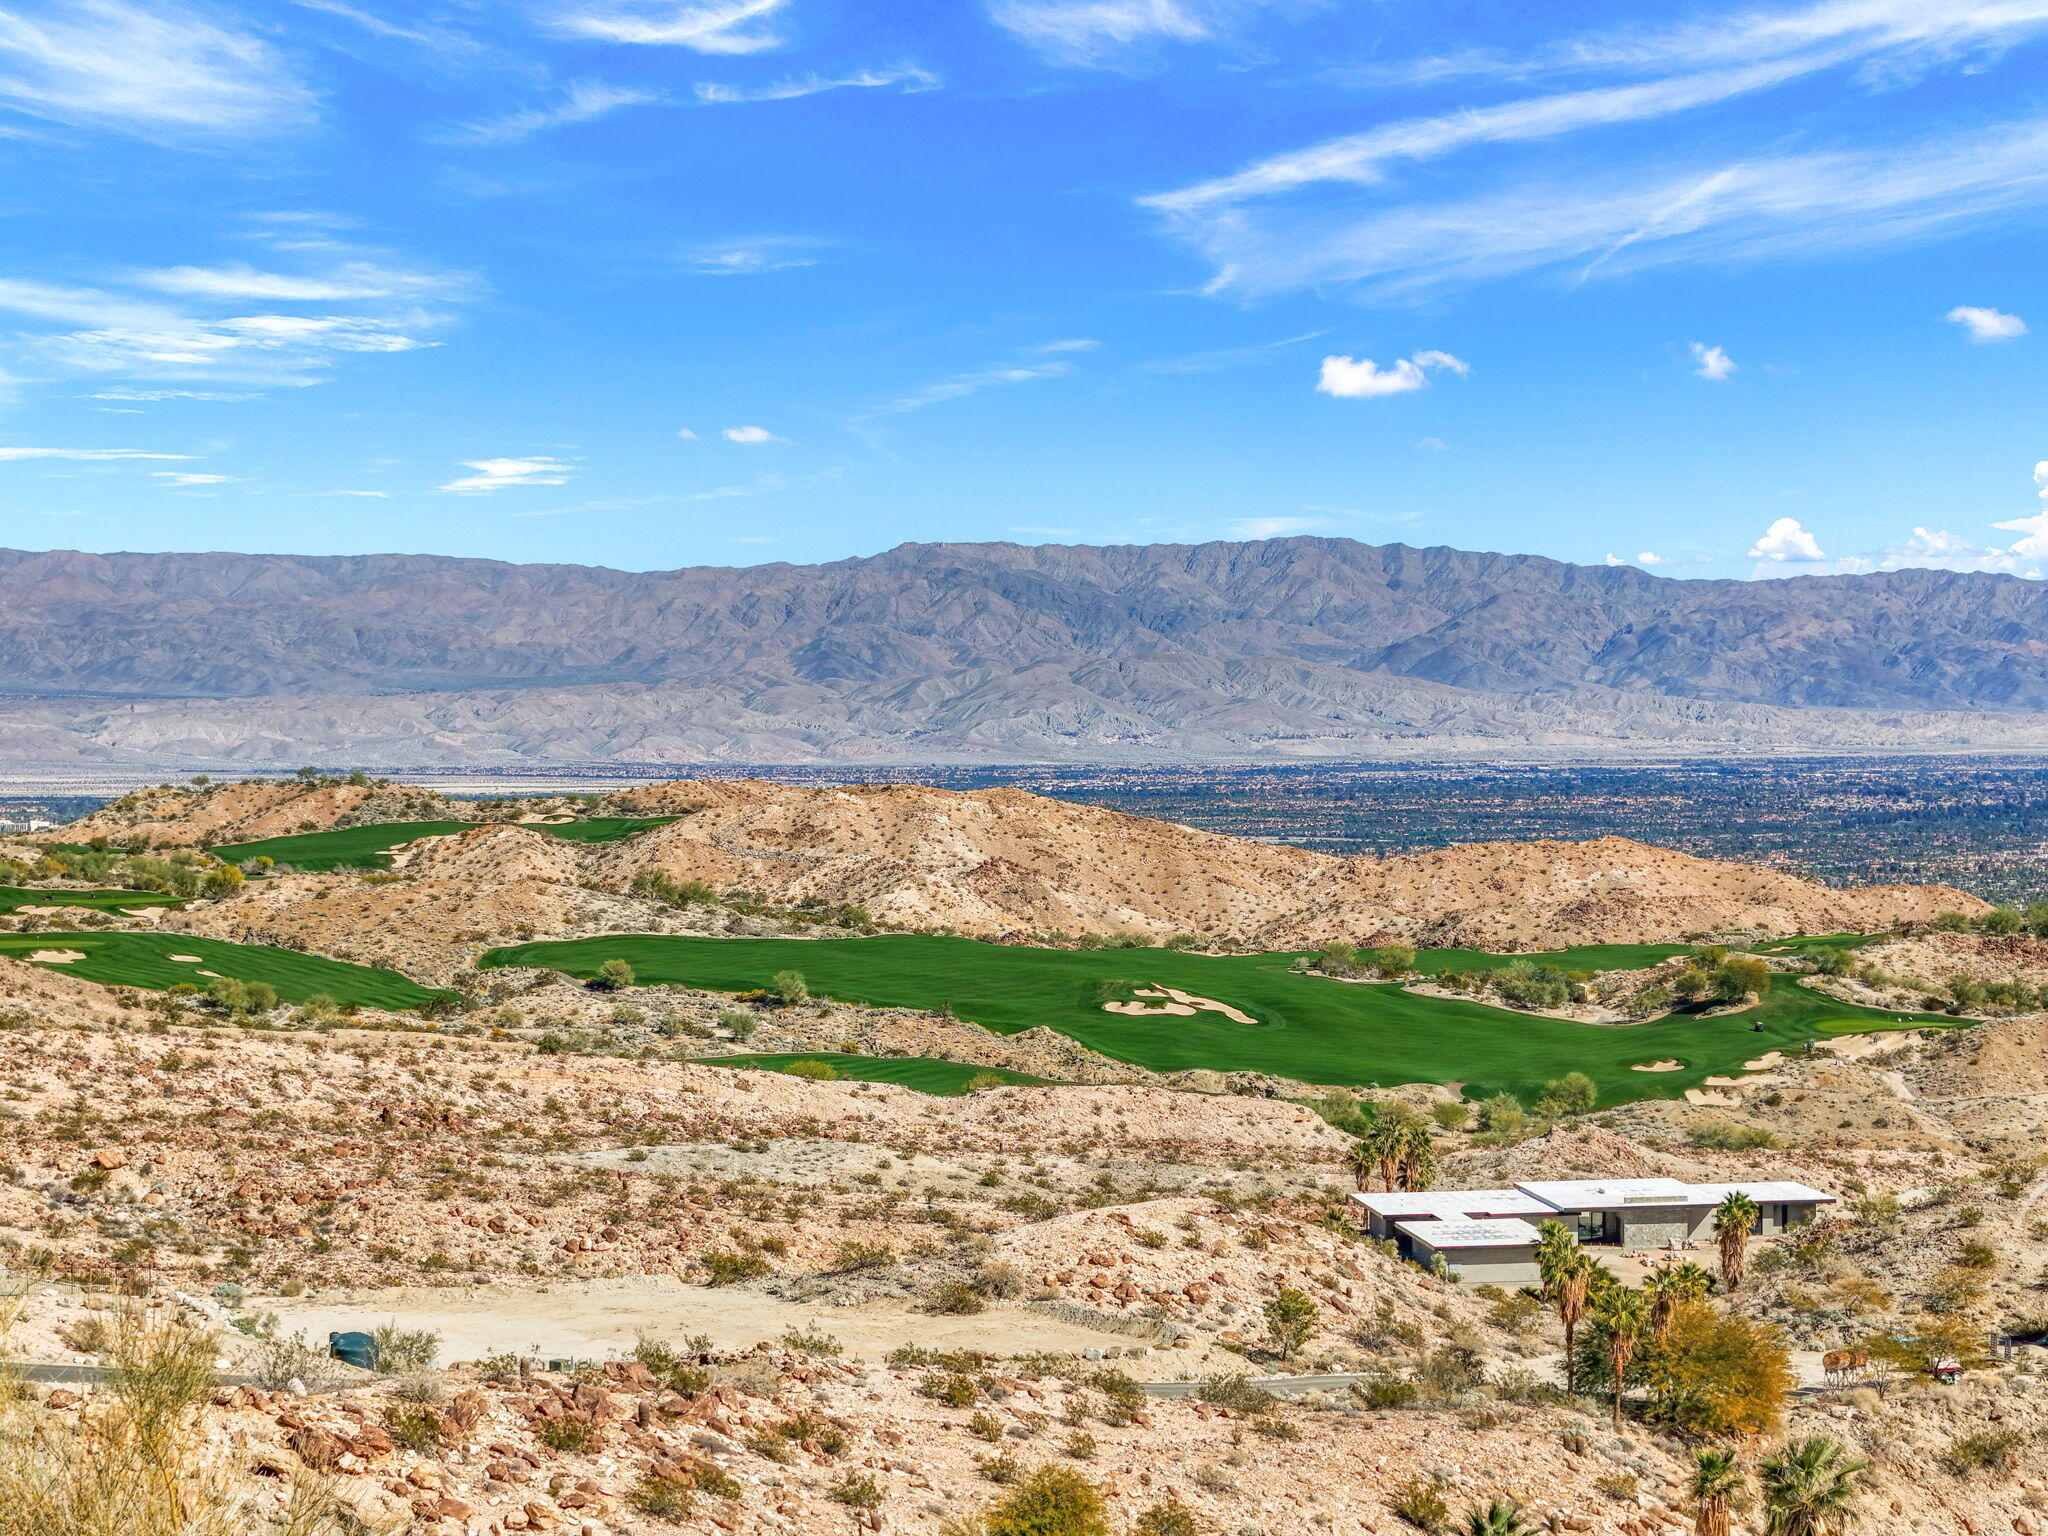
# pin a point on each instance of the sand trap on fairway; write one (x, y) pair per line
(1768, 1059)
(214, 974)
(189, 959)
(1666, 1065)
(57, 956)
(1175, 1001)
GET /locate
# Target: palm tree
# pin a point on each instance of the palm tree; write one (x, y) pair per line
(1363, 1159)
(1500, 1517)
(1572, 1290)
(1809, 1487)
(1417, 1155)
(1620, 1314)
(1556, 1250)
(1667, 1288)
(1734, 1217)
(1716, 1484)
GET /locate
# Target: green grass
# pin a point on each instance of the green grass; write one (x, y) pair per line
(14, 897)
(370, 847)
(1587, 957)
(1310, 1028)
(143, 960)
(927, 1074)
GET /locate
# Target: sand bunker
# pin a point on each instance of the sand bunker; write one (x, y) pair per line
(1768, 1059)
(57, 956)
(189, 959)
(1175, 1001)
(214, 974)
(1666, 1065)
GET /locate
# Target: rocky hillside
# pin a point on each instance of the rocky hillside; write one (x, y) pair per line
(999, 862)
(1308, 646)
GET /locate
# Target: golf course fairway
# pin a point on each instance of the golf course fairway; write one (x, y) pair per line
(1308, 1027)
(145, 960)
(14, 897)
(927, 1074)
(370, 847)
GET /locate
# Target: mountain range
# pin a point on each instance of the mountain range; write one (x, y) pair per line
(1288, 648)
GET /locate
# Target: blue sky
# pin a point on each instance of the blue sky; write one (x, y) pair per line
(650, 283)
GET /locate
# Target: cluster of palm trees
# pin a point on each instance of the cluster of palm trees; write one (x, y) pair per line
(1396, 1149)
(1579, 1286)
(1809, 1488)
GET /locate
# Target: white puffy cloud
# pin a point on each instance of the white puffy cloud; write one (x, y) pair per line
(501, 474)
(1713, 362)
(686, 434)
(1987, 324)
(94, 454)
(750, 435)
(1362, 379)
(707, 26)
(1786, 540)
(1647, 557)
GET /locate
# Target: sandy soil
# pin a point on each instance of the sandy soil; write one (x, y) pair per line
(605, 1317)
(1185, 1004)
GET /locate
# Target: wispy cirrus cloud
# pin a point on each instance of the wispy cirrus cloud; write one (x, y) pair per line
(961, 385)
(1355, 209)
(909, 76)
(231, 323)
(1103, 32)
(705, 26)
(748, 258)
(506, 474)
(157, 70)
(582, 102)
(93, 455)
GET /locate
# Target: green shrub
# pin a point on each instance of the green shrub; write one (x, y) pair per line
(725, 1267)
(1053, 1501)
(1169, 1518)
(1726, 1136)
(816, 1071)
(568, 1432)
(415, 1427)
(1420, 1502)
(1991, 1450)
(665, 1498)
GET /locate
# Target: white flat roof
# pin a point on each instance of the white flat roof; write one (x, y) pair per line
(1447, 1203)
(1501, 1233)
(1622, 1194)
(1763, 1192)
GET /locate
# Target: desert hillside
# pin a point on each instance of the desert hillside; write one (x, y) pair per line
(1003, 863)
(995, 862)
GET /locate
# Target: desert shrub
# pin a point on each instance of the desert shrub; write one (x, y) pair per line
(1080, 1445)
(955, 1297)
(414, 1426)
(1420, 1502)
(1290, 1319)
(719, 1484)
(1452, 1116)
(856, 1490)
(1573, 1094)
(1053, 1501)
(1726, 1136)
(1236, 1393)
(740, 1022)
(725, 1267)
(405, 1351)
(790, 988)
(1387, 1392)
(953, 1388)
(998, 1280)
(671, 1367)
(1526, 984)
(1991, 1450)
(571, 1432)
(614, 975)
(809, 1341)
(1002, 1470)
(1168, 1518)
(1502, 1115)
(981, 1080)
(665, 1498)
(816, 1071)
(851, 1256)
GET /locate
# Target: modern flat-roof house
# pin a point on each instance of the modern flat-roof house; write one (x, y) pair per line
(1490, 1234)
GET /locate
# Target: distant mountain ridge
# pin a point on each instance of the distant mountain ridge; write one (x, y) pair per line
(1298, 646)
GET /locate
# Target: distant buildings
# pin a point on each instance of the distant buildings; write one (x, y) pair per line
(1489, 1235)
